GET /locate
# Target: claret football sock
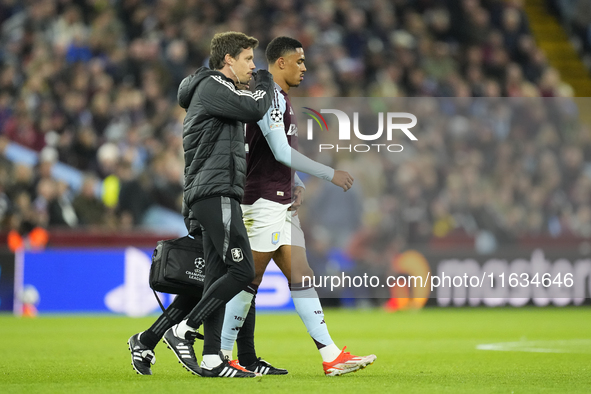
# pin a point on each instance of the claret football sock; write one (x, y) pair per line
(309, 309)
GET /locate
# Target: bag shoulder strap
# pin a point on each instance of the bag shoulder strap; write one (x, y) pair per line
(161, 305)
(199, 335)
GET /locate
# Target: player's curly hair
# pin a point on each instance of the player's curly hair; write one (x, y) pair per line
(228, 43)
(279, 46)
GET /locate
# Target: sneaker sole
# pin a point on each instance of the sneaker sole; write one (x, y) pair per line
(132, 364)
(232, 377)
(256, 375)
(340, 372)
(178, 358)
(273, 374)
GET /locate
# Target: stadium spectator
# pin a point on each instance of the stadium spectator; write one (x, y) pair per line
(88, 207)
(97, 83)
(576, 16)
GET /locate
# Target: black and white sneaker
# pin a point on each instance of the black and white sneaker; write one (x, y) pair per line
(142, 357)
(183, 349)
(227, 369)
(264, 368)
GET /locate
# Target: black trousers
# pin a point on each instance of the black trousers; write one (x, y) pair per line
(229, 268)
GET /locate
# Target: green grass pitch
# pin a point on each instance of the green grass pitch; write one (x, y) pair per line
(431, 351)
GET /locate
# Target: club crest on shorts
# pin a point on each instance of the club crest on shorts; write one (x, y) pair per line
(275, 237)
(237, 254)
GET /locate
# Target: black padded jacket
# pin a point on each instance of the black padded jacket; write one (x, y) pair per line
(213, 131)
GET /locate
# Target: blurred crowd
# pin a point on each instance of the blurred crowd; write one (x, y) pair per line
(487, 171)
(507, 168)
(576, 16)
(92, 84)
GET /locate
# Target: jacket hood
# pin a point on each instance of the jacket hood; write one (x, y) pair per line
(189, 84)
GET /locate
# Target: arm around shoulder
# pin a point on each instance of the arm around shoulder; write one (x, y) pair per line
(221, 98)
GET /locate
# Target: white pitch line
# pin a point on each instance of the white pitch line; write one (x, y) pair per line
(558, 346)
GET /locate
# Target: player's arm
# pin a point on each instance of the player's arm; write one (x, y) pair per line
(273, 130)
(285, 154)
(220, 98)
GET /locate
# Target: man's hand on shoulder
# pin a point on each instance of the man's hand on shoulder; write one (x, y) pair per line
(262, 75)
(342, 179)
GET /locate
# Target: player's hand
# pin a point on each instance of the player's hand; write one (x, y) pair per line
(298, 194)
(342, 179)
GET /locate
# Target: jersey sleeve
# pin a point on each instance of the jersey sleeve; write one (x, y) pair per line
(273, 130)
(290, 157)
(273, 119)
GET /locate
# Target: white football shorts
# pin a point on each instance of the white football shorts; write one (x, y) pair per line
(270, 225)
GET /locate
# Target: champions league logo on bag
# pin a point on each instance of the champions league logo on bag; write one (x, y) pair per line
(199, 264)
(198, 275)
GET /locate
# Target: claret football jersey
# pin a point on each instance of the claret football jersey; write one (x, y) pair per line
(266, 177)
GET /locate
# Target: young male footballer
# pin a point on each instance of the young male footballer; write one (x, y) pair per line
(270, 215)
